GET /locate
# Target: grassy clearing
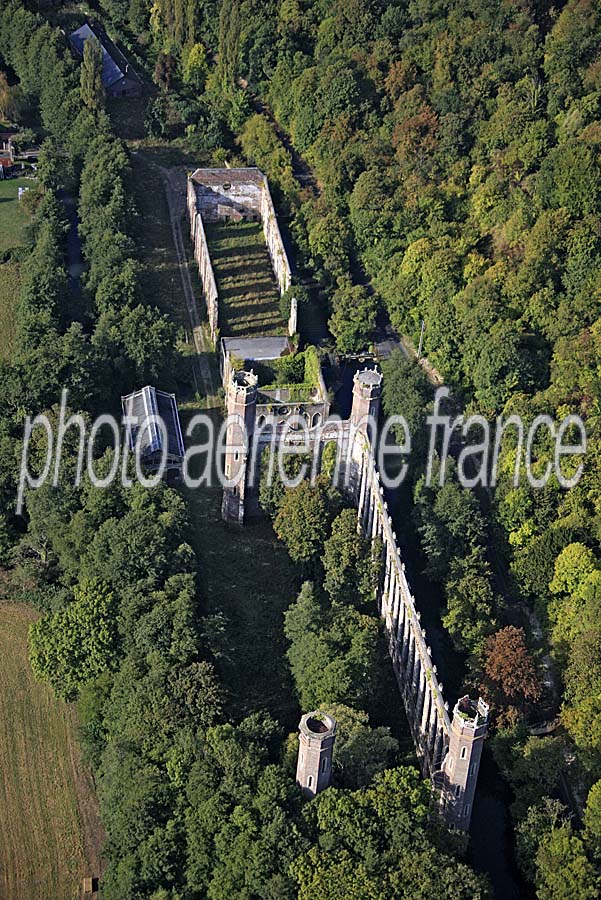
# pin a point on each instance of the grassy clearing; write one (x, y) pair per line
(10, 285)
(161, 282)
(49, 832)
(13, 221)
(13, 218)
(248, 291)
(246, 575)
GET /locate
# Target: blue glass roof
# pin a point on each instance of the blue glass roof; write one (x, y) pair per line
(145, 404)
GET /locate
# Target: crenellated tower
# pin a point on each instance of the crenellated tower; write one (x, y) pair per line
(367, 394)
(241, 412)
(459, 772)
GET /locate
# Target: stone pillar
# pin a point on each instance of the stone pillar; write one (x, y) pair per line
(410, 663)
(426, 710)
(421, 692)
(414, 675)
(402, 616)
(438, 746)
(398, 634)
(362, 493)
(432, 729)
(293, 317)
(241, 412)
(386, 593)
(317, 733)
(396, 602)
(406, 639)
(370, 512)
(375, 522)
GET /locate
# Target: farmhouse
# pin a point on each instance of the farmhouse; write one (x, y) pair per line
(118, 77)
(6, 153)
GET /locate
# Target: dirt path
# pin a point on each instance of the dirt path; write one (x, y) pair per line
(174, 183)
(175, 191)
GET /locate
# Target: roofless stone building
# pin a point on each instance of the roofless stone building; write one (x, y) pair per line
(448, 750)
(234, 195)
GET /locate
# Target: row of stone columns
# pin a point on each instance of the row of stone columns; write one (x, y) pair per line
(414, 673)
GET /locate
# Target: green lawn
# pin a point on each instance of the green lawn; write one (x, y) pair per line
(248, 291)
(49, 830)
(13, 220)
(161, 281)
(12, 217)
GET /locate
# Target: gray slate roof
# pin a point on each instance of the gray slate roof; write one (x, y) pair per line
(256, 348)
(114, 65)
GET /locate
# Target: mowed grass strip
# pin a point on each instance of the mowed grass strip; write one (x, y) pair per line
(246, 575)
(42, 841)
(10, 287)
(160, 278)
(248, 291)
(13, 217)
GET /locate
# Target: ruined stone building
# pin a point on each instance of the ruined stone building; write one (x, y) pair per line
(261, 415)
(234, 195)
(448, 747)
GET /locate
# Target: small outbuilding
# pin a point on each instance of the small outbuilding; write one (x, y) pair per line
(154, 420)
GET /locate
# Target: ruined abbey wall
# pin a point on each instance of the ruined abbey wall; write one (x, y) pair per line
(205, 267)
(448, 747)
(216, 195)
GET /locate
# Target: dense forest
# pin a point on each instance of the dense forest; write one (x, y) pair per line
(454, 148)
(455, 178)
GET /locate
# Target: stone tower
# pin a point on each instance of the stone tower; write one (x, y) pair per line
(317, 733)
(462, 761)
(367, 393)
(241, 412)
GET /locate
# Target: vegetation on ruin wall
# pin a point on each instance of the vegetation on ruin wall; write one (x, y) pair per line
(305, 366)
(299, 373)
(246, 284)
